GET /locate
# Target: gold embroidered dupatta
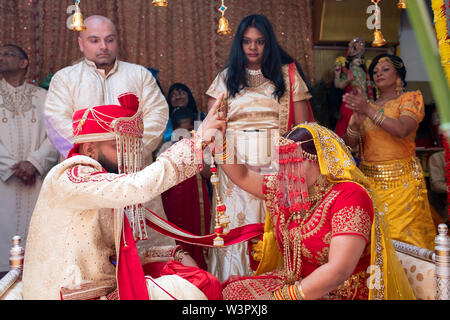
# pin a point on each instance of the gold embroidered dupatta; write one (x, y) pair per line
(387, 279)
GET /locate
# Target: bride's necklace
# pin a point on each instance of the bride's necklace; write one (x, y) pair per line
(292, 249)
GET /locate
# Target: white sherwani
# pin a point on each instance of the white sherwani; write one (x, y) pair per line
(71, 236)
(82, 85)
(22, 138)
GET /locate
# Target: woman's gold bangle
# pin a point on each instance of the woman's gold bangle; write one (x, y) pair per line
(352, 133)
(378, 118)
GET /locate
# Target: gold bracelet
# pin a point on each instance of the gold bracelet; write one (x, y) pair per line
(378, 118)
(383, 117)
(375, 117)
(352, 133)
(300, 290)
(285, 292)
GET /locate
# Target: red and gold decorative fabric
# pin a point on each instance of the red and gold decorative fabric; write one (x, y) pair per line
(200, 278)
(351, 199)
(345, 209)
(187, 204)
(96, 123)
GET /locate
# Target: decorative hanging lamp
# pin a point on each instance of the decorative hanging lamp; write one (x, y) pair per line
(77, 20)
(224, 26)
(401, 4)
(160, 3)
(379, 40)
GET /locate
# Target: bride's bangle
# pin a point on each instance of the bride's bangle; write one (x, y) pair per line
(298, 286)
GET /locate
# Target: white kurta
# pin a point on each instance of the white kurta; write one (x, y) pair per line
(22, 138)
(82, 85)
(253, 126)
(71, 236)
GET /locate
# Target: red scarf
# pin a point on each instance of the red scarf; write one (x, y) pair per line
(131, 282)
(291, 118)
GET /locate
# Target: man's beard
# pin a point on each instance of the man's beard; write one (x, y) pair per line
(107, 164)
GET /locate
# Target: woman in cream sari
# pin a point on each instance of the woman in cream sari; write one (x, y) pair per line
(325, 236)
(265, 95)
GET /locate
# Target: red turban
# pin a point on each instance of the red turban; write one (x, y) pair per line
(96, 123)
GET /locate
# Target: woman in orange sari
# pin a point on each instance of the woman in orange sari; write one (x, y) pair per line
(385, 131)
(324, 237)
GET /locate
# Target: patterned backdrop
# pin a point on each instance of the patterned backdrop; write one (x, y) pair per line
(179, 40)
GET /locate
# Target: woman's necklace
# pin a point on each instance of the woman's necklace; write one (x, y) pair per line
(320, 188)
(383, 99)
(255, 78)
(292, 246)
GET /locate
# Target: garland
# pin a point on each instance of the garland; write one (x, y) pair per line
(441, 10)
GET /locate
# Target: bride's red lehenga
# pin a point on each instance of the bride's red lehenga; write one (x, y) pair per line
(345, 209)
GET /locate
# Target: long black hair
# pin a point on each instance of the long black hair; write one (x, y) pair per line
(192, 105)
(273, 58)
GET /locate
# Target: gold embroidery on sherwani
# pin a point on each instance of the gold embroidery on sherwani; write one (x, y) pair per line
(23, 137)
(17, 103)
(229, 188)
(71, 234)
(179, 157)
(83, 174)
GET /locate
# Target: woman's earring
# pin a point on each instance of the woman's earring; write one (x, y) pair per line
(399, 88)
(377, 93)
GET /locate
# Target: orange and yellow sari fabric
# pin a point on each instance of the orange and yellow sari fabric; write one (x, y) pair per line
(396, 174)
